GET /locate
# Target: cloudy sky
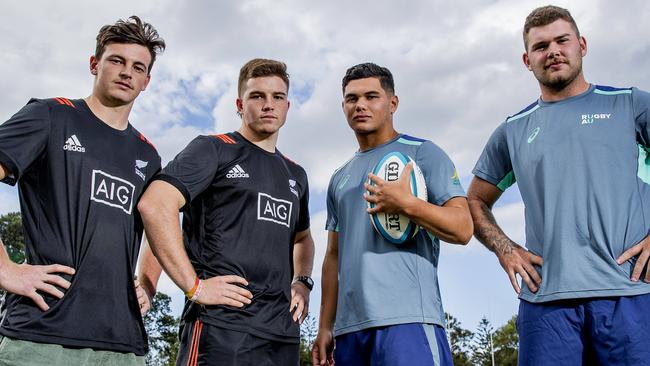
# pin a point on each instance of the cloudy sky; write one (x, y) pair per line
(457, 68)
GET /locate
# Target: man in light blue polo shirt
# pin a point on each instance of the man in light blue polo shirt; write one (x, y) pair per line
(381, 300)
(579, 156)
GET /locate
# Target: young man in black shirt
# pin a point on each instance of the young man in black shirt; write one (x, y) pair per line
(248, 251)
(81, 168)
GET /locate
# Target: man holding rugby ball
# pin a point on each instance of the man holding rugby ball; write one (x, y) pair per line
(381, 301)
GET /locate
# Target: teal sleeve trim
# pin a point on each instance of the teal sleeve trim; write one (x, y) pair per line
(409, 142)
(507, 181)
(643, 170)
(612, 92)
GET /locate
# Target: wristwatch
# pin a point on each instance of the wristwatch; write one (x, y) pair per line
(305, 280)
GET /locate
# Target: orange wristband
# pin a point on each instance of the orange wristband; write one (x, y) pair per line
(190, 294)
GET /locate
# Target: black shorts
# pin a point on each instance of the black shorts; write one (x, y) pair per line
(205, 344)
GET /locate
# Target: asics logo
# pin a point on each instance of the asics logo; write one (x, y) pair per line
(533, 135)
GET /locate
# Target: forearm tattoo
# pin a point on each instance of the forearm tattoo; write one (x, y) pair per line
(488, 232)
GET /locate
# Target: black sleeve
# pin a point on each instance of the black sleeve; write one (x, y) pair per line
(303, 218)
(24, 138)
(193, 169)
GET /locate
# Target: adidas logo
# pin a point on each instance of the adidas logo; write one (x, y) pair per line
(73, 144)
(237, 172)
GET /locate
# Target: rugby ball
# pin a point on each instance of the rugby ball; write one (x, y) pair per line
(397, 228)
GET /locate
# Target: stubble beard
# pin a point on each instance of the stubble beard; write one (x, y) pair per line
(559, 82)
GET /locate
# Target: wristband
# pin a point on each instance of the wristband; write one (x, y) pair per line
(198, 292)
(191, 293)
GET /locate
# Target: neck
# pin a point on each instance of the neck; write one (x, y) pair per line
(264, 141)
(374, 139)
(115, 117)
(576, 87)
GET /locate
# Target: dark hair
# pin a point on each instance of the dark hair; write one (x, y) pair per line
(370, 70)
(546, 15)
(260, 67)
(133, 31)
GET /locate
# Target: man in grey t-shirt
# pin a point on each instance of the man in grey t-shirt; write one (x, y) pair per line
(579, 156)
(381, 300)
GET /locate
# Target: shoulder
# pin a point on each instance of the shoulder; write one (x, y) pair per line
(293, 166)
(56, 102)
(610, 90)
(424, 148)
(144, 142)
(215, 142)
(523, 113)
(339, 171)
(36, 105)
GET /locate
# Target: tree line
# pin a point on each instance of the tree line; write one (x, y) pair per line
(485, 346)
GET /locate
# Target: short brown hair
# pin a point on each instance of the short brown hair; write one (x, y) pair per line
(546, 15)
(133, 31)
(260, 67)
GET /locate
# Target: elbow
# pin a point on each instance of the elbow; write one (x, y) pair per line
(147, 207)
(467, 232)
(464, 232)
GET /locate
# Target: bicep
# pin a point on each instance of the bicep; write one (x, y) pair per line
(161, 194)
(333, 243)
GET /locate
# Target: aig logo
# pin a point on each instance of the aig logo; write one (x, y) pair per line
(112, 191)
(273, 209)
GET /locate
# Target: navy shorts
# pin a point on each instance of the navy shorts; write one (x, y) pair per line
(205, 345)
(596, 331)
(412, 344)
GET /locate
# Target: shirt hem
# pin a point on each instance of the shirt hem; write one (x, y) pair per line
(486, 177)
(583, 294)
(178, 185)
(386, 322)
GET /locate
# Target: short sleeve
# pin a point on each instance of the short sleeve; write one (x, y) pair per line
(24, 138)
(332, 223)
(193, 169)
(439, 173)
(641, 104)
(494, 164)
(303, 219)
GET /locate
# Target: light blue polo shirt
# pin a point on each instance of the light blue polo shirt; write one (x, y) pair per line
(381, 283)
(583, 172)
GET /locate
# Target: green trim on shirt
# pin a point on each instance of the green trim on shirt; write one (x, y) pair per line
(644, 164)
(507, 181)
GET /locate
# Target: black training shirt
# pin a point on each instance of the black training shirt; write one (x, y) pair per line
(79, 181)
(244, 207)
